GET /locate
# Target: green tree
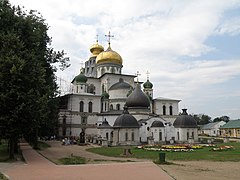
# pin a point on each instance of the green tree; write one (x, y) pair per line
(202, 119)
(27, 82)
(222, 118)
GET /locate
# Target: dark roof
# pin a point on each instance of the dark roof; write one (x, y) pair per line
(105, 125)
(185, 121)
(137, 99)
(148, 84)
(157, 124)
(120, 85)
(126, 120)
(231, 124)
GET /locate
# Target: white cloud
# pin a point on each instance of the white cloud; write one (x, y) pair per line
(152, 33)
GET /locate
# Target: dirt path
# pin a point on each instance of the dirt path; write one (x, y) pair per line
(57, 151)
(39, 168)
(207, 170)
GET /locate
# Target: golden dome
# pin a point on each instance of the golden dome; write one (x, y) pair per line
(109, 56)
(95, 49)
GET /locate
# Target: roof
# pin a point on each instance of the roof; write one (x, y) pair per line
(137, 99)
(166, 99)
(126, 120)
(157, 124)
(120, 85)
(185, 121)
(104, 125)
(231, 124)
(210, 125)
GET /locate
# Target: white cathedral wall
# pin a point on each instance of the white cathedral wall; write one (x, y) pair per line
(96, 83)
(158, 107)
(118, 93)
(74, 102)
(183, 134)
(156, 134)
(122, 136)
(103, 133)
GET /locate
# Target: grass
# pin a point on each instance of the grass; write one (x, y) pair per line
(198, 154)
(42, 145)
(72, 160)
(2, 177)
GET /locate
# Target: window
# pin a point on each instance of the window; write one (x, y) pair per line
(111, 107)
(90, 107)
(84, 120)
(107, 135)
(164, 110)
(132, 136)
(126, 136)
(170, 110)
(193, 135)
(160, 136)
(187, 135)
(118, 106)
(105, 106)
(81, 106)
(178, 136)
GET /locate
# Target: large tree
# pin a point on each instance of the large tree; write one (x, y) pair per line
(27, 82)
(201, 118)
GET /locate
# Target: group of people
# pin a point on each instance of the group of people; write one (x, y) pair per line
(69, 141)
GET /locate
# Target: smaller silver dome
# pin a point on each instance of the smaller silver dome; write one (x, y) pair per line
(126, 120)
(185, 121)
(120, 85)
(157, 124)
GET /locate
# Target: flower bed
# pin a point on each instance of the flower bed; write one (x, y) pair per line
(171, 148)
(222, 148)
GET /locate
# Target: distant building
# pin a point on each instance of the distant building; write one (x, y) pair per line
(231, 129)
(212, 129)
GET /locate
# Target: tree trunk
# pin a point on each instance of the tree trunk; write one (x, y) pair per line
(11, 148)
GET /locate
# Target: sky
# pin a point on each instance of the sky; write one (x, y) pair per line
(190, 47)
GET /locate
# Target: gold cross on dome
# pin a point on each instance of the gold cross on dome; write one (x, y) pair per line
(109, 37)
(97, 38)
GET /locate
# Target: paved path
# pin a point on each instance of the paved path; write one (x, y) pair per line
(39, 168)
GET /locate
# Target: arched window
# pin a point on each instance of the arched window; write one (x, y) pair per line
(102, 71)
(105, 106)
(164, 110)
(170, 110)
(90, 107)
(113, 70)
(187, 135)
(193, 135)
(178, 136)
(126, 136)
(107, 135)
(111, 107)
(81, 106)
(132, 136)
(118, 106)
(160, 136)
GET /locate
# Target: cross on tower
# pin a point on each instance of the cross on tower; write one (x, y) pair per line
(81, 69)
(109, 37)
(138, 74)
(97, 38)
(147, 75)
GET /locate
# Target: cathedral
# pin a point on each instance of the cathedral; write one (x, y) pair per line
(111, 108)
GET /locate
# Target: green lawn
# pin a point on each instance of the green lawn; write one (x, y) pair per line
(198, 154)
(72, 160)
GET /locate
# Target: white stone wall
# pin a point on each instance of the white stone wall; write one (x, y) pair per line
(156, 134)
(183, 134)
(118, 93)
(119, 136)
(158, 106)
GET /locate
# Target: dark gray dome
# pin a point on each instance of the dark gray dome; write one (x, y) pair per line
(185, 121)
(157, 124)
(120, 85)
(126, 120)
(137, 99)
(105, 125)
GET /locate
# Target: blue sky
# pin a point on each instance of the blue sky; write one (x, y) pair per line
(190, 47)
